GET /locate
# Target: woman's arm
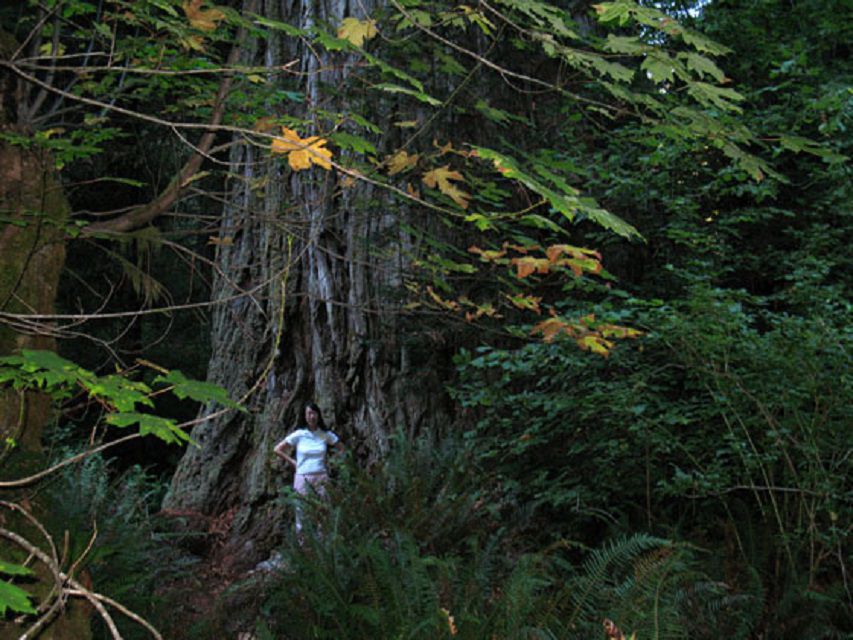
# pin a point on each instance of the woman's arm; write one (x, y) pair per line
(339, 448)
(283, 451)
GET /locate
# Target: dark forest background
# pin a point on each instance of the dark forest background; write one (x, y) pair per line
(570, 280)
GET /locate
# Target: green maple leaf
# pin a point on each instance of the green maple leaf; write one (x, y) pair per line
(14, 598)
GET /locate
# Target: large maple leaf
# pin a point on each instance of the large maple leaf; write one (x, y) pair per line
(202, 19)
(401, 161)
(302, 153)
(357, 31)
(440, 178)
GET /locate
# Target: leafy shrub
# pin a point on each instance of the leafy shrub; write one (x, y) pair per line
(110, 523)
(728, 424)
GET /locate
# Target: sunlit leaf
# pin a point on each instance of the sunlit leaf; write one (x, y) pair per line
(487, 255)
(613, 11)
(528, 302)
(703, 66)
(658, 67)
(120, 392)
(616, 331)
(719, 97)
(202, 19)
(626, 44)
(450, 305)
(552, 327)
(10, 569)
(357, 31)
(596, 343)
(302, 153)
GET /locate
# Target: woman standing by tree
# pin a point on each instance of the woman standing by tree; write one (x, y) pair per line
(311, 443)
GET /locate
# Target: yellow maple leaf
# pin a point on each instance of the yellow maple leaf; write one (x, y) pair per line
(202, 19)
(443, 148)
(618, 331)
(487, 255)
(357, 31)
(596, 343)
(302, 153)
(400, 161)
(526, 302)
(441, 178)
(193, 43)
(451, 305)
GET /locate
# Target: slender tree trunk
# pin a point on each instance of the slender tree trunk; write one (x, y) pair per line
(33, 214)
(33, 211)
(311, 274)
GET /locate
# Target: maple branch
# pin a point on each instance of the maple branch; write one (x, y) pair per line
(23, 482)
(502, 71)
(211, 128)
(27, 63)
(137, 115)
(144, 214)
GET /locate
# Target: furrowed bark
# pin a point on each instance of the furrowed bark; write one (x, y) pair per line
(324, 325)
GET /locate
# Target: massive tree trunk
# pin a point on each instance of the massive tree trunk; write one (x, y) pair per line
(310, 278)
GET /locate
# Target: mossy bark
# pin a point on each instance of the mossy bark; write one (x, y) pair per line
(33, 215)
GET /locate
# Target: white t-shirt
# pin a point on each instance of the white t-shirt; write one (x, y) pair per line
(311, 449)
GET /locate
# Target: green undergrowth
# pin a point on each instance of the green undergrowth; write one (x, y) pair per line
(727, 425)
(108, 521)
(419, 546)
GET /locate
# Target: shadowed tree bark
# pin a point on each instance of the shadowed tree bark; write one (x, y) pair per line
(33, 215)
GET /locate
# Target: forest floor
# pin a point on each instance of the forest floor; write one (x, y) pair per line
(215, 597)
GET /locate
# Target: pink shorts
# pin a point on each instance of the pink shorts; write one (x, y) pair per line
(301, 482)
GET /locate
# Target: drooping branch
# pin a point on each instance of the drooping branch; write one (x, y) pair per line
(68, 586)
(141, 216)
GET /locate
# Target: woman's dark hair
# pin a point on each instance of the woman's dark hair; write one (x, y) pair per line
(313, 406)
